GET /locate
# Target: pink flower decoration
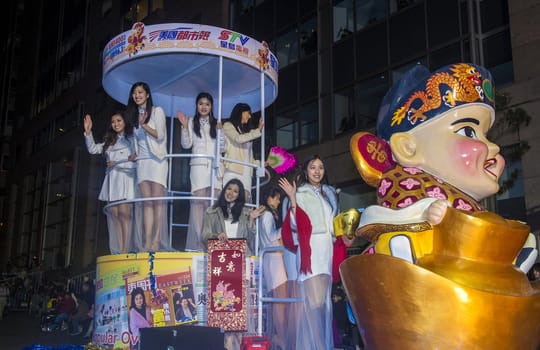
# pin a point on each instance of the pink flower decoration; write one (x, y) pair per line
(436, 192)
(384, 186)
(409, 183)
(461, 204)
(412, 171)
(281, 160)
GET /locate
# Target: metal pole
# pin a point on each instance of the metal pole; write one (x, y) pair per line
(260, 172)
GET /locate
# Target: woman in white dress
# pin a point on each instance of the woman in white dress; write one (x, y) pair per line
(273, 269)
(152, 165)
(308, 228)
(119, 183)
(200, 133)
(239, 137)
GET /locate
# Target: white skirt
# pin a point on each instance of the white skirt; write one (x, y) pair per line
(200, 176)
(274, 270)
(119, 184)
(152, 170)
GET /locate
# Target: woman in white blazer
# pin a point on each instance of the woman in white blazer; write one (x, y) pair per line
(152, 165)
(239, 146)
(201, 135)
(119, 183)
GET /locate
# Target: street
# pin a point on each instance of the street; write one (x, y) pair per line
(19, 330)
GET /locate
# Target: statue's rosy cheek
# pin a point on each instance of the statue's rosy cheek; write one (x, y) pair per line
(469, 155)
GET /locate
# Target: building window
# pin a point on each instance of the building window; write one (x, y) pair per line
(308, 37)
(398, 5)
(344, 118)
(287, 48)
(287, 130)
(369, 12)
(309, 122)
(493, 13)
(308, 81)
(58, 211)
(407, 34)
(444, 56)
(497, 52)
(511, 196)
(374, 37)
(398, 72)
(369, 94)
(298, 127)
(443, 22)
(343, 19)
(359, 196)
(343, 62)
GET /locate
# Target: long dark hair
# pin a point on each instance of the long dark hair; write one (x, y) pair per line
(303, 178)
(236, 209)
(236, 117)
(271, 191)
(132, 110)
(134, 293)
(211, 119)
(111, 136)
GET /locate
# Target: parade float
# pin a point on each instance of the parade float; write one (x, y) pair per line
(177, 61)
(441, 272)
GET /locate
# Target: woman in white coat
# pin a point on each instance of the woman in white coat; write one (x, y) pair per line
(308, 229)
(152, 165)
(239, 137)
(119, 183)
(200, 134)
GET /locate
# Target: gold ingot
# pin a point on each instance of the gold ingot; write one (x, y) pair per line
(346, 222)
(465, 294)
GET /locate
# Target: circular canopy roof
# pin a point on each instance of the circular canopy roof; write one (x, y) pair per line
(180, 60)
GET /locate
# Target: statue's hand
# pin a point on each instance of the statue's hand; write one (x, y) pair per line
(435, 212)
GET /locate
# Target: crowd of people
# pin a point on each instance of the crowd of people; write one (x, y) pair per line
(58, 307)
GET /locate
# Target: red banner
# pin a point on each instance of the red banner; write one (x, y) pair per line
(227, 307)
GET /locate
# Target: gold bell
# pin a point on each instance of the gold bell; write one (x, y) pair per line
(346, 222)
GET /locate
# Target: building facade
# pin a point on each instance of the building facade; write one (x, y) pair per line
(337, 59)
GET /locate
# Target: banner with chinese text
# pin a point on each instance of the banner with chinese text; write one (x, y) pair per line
(227, 284)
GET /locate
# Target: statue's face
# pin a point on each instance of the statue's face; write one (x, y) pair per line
(454, 148)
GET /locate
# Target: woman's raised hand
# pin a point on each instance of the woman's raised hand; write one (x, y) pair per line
(255, 213)
(182, 118)
(87, 124)
(287, 187)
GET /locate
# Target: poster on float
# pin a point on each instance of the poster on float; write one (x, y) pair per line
(135, 291)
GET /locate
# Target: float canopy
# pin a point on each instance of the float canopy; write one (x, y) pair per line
(180, 60)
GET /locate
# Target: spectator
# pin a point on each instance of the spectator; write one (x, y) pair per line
(81, 320)
(66, 307)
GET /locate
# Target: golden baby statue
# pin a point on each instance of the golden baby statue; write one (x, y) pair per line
(441, 272)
